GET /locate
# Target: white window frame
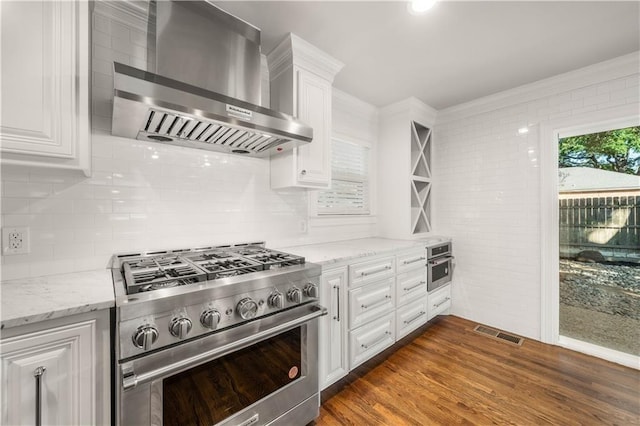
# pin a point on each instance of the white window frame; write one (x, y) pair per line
(349, 218)
(550, 133)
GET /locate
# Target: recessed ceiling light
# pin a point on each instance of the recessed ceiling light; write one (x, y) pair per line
(523, 130)
(418, 7)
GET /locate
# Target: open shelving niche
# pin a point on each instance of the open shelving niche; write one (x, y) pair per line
(420, 178)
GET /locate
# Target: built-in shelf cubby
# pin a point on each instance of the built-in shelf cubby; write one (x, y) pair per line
(405, 170)
(420, 178)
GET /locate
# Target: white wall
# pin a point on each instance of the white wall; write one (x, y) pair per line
(146, 195)
(487, 190)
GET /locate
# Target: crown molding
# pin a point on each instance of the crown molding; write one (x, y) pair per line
(293, 50)
(413, 108)
(356, 107)
(132, 13)
(619, 67)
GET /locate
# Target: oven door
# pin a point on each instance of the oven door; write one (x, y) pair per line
(257, 373)
(439, 272)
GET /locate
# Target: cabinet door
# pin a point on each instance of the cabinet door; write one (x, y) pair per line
(415, 259)
(370, 301)
(370, 271)
(332, 327)
(314, 108)
(411, 317)
(411, 286)
(371, 339)
(439, 301)
(45, 84)
(67, 384)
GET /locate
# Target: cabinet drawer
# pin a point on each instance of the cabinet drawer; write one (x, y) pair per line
(411, 260)
(370, 339)
(374, 270)
(411, 317)
(370, 301)
(410, 286)
(439, 301)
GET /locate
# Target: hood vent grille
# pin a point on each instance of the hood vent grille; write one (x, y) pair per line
(166, 127)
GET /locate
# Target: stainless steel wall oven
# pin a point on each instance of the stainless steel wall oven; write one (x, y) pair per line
(439, 265)
(231, 348)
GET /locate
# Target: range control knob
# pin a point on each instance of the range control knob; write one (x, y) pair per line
(276, 300)
(180, 327)
(210, 318)
(311, 290)
(247, 308)
(294, 295)
(145, 336)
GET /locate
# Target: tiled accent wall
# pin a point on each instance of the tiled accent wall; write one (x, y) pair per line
(488, 199)
(145, 195)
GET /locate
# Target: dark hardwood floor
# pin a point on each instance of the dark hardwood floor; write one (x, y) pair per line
(451, 375)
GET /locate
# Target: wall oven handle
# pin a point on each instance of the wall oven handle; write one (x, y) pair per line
(135, 379)
(337, 316)
(375, 271)
(37, 373)
(378, 303)
(440, 260)
(408, 289)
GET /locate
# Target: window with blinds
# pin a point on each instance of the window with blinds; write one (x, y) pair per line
(349, 192)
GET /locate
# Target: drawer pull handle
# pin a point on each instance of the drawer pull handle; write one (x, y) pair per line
(409, 262)
(408, 289)
(375, 271)
(437, 305)
(383, 338)
(37, 373)
(381, 302)
(415, 318)
(337, 316)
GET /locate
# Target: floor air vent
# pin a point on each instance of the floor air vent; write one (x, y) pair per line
(497, 334)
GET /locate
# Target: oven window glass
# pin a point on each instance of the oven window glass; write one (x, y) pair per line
(440, 271)
(211, 392)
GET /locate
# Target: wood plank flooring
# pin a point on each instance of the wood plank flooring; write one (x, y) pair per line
(451, 375)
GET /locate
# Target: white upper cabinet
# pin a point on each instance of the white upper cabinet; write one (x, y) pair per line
(301, 76)
(45, 84)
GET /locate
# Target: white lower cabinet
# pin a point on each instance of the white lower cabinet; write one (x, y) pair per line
(410, 317)
(370, 301)
(59, 373)
(439, 301)
(333, 326)
(371, 304)
(371, 338)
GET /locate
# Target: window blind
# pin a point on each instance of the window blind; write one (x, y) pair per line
(349, 192)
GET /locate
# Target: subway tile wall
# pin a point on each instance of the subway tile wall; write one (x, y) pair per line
(487, 198)
(144, 196)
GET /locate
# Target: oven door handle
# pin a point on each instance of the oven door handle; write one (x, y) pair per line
(130, 379)
(440, 260)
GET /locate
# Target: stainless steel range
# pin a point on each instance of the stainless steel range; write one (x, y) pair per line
(216, 335)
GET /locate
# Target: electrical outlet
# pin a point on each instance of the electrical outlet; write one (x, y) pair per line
(15, 240)
(303, 226)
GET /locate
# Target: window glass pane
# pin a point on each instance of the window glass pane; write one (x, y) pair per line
(349, 192)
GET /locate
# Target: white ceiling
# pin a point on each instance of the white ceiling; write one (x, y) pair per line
(458, 51)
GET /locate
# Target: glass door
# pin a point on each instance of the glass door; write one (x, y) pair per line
(599, 238)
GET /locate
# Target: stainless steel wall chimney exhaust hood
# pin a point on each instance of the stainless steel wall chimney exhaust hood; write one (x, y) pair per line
(205, 88)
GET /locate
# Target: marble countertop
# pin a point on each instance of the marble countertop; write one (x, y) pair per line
(343, 251)
(30, 300)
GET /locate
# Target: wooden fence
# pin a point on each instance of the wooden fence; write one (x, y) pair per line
(604, 223)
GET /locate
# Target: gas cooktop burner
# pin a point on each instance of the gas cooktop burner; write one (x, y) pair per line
(148, 272)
